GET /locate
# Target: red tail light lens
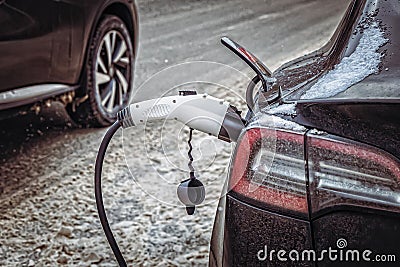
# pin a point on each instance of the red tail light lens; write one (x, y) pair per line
(268, 170)
(347, 173)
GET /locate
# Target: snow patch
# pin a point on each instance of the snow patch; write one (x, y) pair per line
(284, 109)
(363, 62)
(352, 69)
(285, 124)
(262, 118)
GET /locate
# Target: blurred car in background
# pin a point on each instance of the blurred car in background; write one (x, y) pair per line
(79, 52)
(318, 168)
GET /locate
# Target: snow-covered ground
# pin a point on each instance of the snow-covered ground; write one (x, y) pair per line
(48, 215)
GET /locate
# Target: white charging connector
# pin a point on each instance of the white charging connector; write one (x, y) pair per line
(201, 112)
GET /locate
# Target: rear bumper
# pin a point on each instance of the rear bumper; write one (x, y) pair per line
(242, 233)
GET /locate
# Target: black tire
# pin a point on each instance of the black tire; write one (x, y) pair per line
(107, 79)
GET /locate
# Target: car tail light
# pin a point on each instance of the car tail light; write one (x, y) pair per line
(268, 170)
(347, 173)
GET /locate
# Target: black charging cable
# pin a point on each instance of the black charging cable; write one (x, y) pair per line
(99, 196)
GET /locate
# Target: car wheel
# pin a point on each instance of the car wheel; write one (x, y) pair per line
(108, 77)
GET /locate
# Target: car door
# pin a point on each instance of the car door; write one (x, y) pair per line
(26, 42)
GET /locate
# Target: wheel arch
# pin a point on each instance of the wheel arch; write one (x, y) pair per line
(130, 19)
(127, 12)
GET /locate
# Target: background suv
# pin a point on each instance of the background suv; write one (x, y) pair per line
(320, 168)
(81, 52)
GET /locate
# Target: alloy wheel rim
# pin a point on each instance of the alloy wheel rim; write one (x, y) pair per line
(112, 73)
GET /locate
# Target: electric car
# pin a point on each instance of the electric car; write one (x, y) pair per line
(315, 177)
(79, 52)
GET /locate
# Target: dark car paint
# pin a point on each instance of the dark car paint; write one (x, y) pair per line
(45, 41)
(26, 34)
(273, 230)
(239, 232)
(361, 120)
(363, 229)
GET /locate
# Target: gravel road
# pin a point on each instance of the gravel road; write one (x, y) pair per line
(47, 210)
